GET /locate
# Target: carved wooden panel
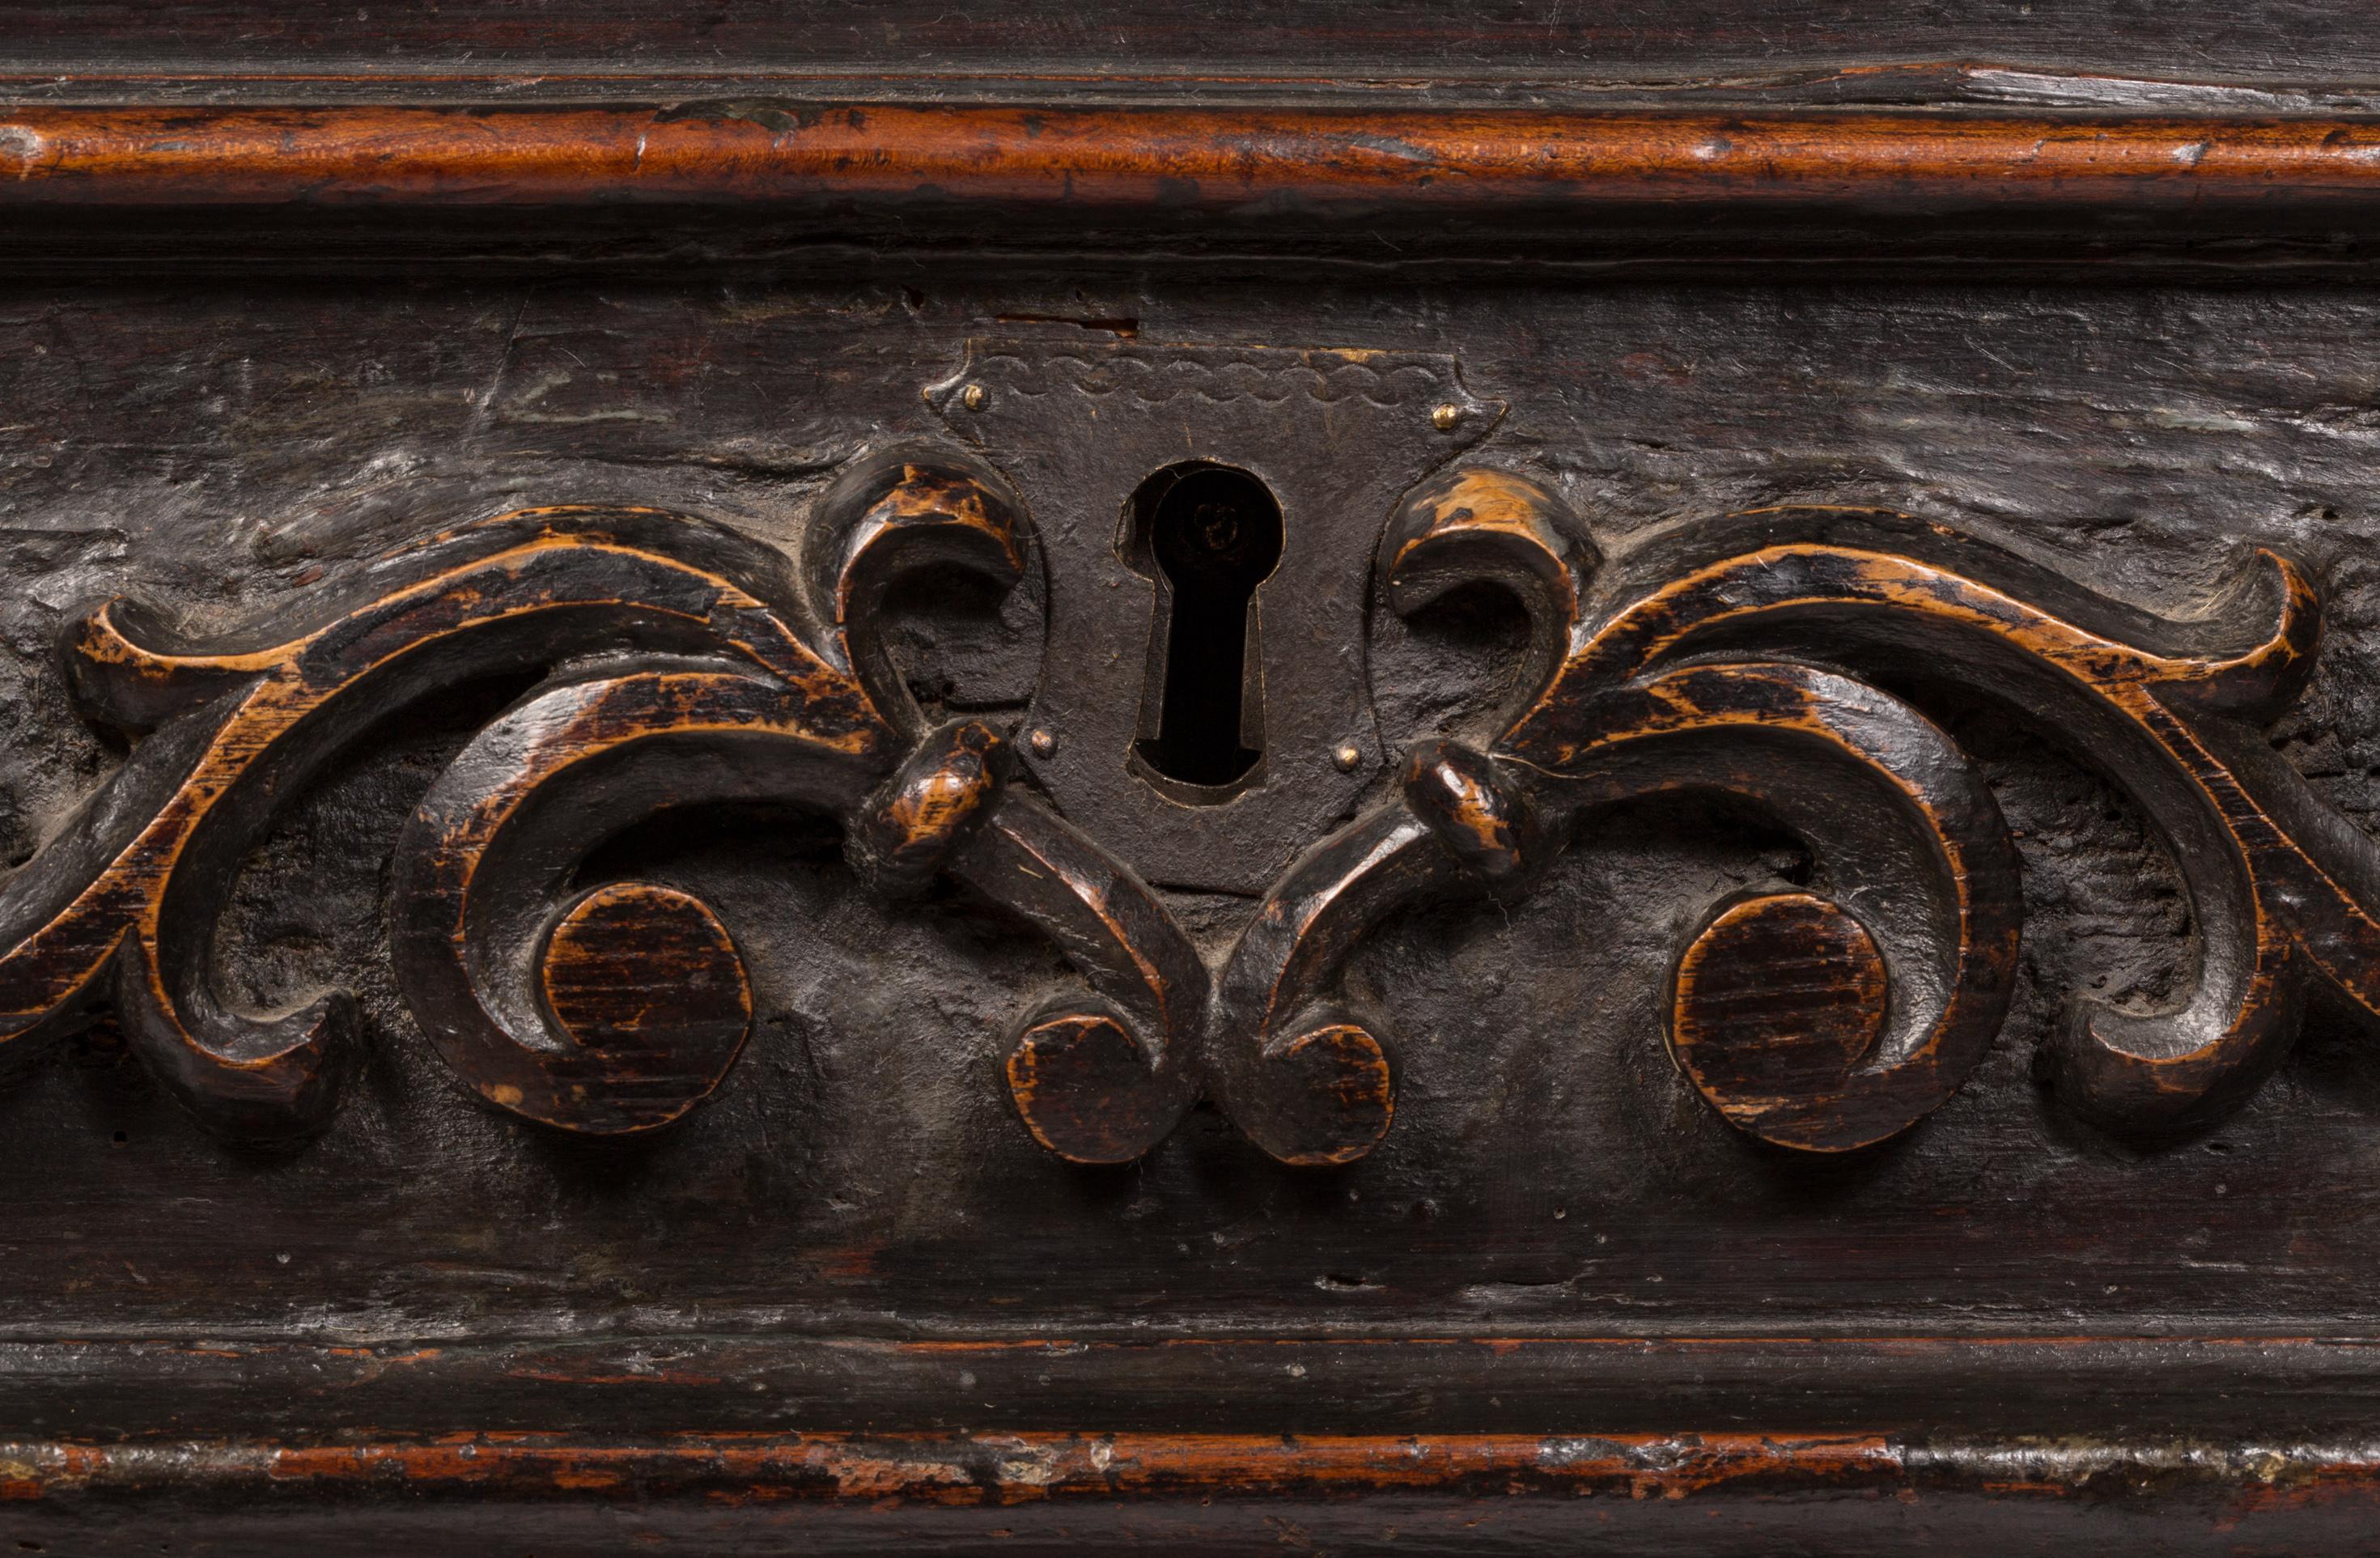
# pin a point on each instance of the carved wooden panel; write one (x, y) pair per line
(1065, 811)
(1749, 655)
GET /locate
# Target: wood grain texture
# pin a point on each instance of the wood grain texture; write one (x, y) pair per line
(1607, 713)
(1703, 658)
(2227, 187)
(622, 1009)
(1728, 48)
(1198, 1494)
(1992, 433)
(1215, 161)
(2032, 1331)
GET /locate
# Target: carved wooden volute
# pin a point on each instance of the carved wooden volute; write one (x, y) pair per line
(1338, 776)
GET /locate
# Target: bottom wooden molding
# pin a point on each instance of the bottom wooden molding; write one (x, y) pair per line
(1340, 1444)
(551, 1493)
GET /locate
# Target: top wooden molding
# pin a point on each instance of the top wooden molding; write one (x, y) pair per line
(1212, 159)
(1494, 185)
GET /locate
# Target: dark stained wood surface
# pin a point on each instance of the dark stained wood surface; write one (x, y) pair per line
(2100, 48)
(1594, 1249)
(1623, 1133)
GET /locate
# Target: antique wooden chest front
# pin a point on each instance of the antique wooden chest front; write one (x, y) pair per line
(1332, 778)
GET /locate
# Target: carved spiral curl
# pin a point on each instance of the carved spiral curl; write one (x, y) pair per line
(611, 1009)
(1095, 1079)
(1825, 1022)
(123, 901)
(550, 1004)
(689, 666)
(1733, 656)
(2134, 694)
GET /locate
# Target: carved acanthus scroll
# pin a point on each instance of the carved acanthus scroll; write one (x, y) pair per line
(1767, 656)
(685, 664)
(1753, 655)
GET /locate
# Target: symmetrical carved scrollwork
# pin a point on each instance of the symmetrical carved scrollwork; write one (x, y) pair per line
(1767, 656)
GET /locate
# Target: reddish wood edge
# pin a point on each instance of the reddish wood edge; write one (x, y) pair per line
(1165, 158)
(1008, 1469)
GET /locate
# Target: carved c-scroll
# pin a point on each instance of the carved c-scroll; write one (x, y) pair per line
(1764, 656)
(685, 664)
(1736, 655)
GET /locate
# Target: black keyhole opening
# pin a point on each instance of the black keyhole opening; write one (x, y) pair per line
(1214, 532)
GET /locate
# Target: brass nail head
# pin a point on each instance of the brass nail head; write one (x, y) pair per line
(1445, 417)
(1347, 757)
(973, 397)
(1043, 744)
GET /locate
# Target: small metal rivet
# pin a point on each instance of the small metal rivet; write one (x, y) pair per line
(1347, 757)
(1445, 417)
(1042, 742)
(973, 397)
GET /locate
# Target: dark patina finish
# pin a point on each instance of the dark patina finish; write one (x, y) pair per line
(1360, 780)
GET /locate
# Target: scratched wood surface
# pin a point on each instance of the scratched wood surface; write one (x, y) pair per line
(1834, 49)
(229, 456)
(1606, 1142)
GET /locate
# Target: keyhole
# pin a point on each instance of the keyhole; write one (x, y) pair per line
(1214, 534)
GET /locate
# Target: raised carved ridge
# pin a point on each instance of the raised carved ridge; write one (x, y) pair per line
(1763, 655)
